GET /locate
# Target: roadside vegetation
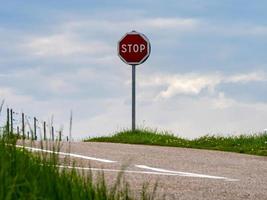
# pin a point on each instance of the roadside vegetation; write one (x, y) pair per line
(24, 175)
(255, 144)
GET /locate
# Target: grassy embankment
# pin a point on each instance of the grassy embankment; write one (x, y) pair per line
(249, 144)
(24, 175)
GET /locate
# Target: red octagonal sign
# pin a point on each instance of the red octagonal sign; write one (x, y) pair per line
(134, 48)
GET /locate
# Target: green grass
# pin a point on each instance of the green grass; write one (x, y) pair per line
(24, 175)
(249, 144)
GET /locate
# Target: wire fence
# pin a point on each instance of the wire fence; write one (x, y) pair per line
(29, 127)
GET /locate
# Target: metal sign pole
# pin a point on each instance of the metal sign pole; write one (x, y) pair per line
(133, 97)
(133, 49)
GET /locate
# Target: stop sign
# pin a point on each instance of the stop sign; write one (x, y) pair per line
(134, 48)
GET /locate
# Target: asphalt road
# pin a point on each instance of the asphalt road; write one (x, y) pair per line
(180, 173)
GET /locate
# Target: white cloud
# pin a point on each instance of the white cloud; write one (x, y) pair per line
(182, 24)
(11, 96)
(244, 78)
(193, 117)
(240, 29)
(194, 84)
(46, 83)
(65, 45)
(13, 99)
(189, 84)
(222, 102)
(244, 30)
(168, 23)
(190, 115)
(60, 86)
(186, 116)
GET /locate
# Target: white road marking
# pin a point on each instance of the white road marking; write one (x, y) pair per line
(116, 170)
(68, 154)
(187, 174)
(158, 171)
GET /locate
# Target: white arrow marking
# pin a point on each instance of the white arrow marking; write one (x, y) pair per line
(116, 170)
(188, 174)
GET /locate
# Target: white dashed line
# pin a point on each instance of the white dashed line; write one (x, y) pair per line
(187, 174)
(68, 154)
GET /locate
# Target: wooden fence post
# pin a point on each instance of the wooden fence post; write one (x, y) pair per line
(60, 135)
(34, 128)
(23, 125)
(7, 121)
(11, 120)
(52, 133)
(44, 130)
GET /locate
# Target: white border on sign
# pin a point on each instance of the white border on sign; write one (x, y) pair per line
(145, 57)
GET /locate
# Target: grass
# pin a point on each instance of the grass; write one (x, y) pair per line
(24, 175)
(249, 144)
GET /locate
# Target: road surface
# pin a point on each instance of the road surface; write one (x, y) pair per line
(180, 173)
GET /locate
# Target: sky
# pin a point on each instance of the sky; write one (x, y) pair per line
(207, 72)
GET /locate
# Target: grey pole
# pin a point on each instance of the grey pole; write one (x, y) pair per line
(11, 120)
(23, 125)
(133, 97)
(7, 121)
(60, 135)
(34, 128)
(52, 131)
(44, 130)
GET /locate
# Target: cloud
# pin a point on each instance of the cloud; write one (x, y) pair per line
(11, 96)
(193, 117)
(65, 45)
(14, 99)
(43, 82)
(244, 30)
(168, 23)
(185, 116)
(222, 102)
(244, 78)
(189, 85)
(46, 84)
(183, 24)
(75, 66)
(194, 84)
